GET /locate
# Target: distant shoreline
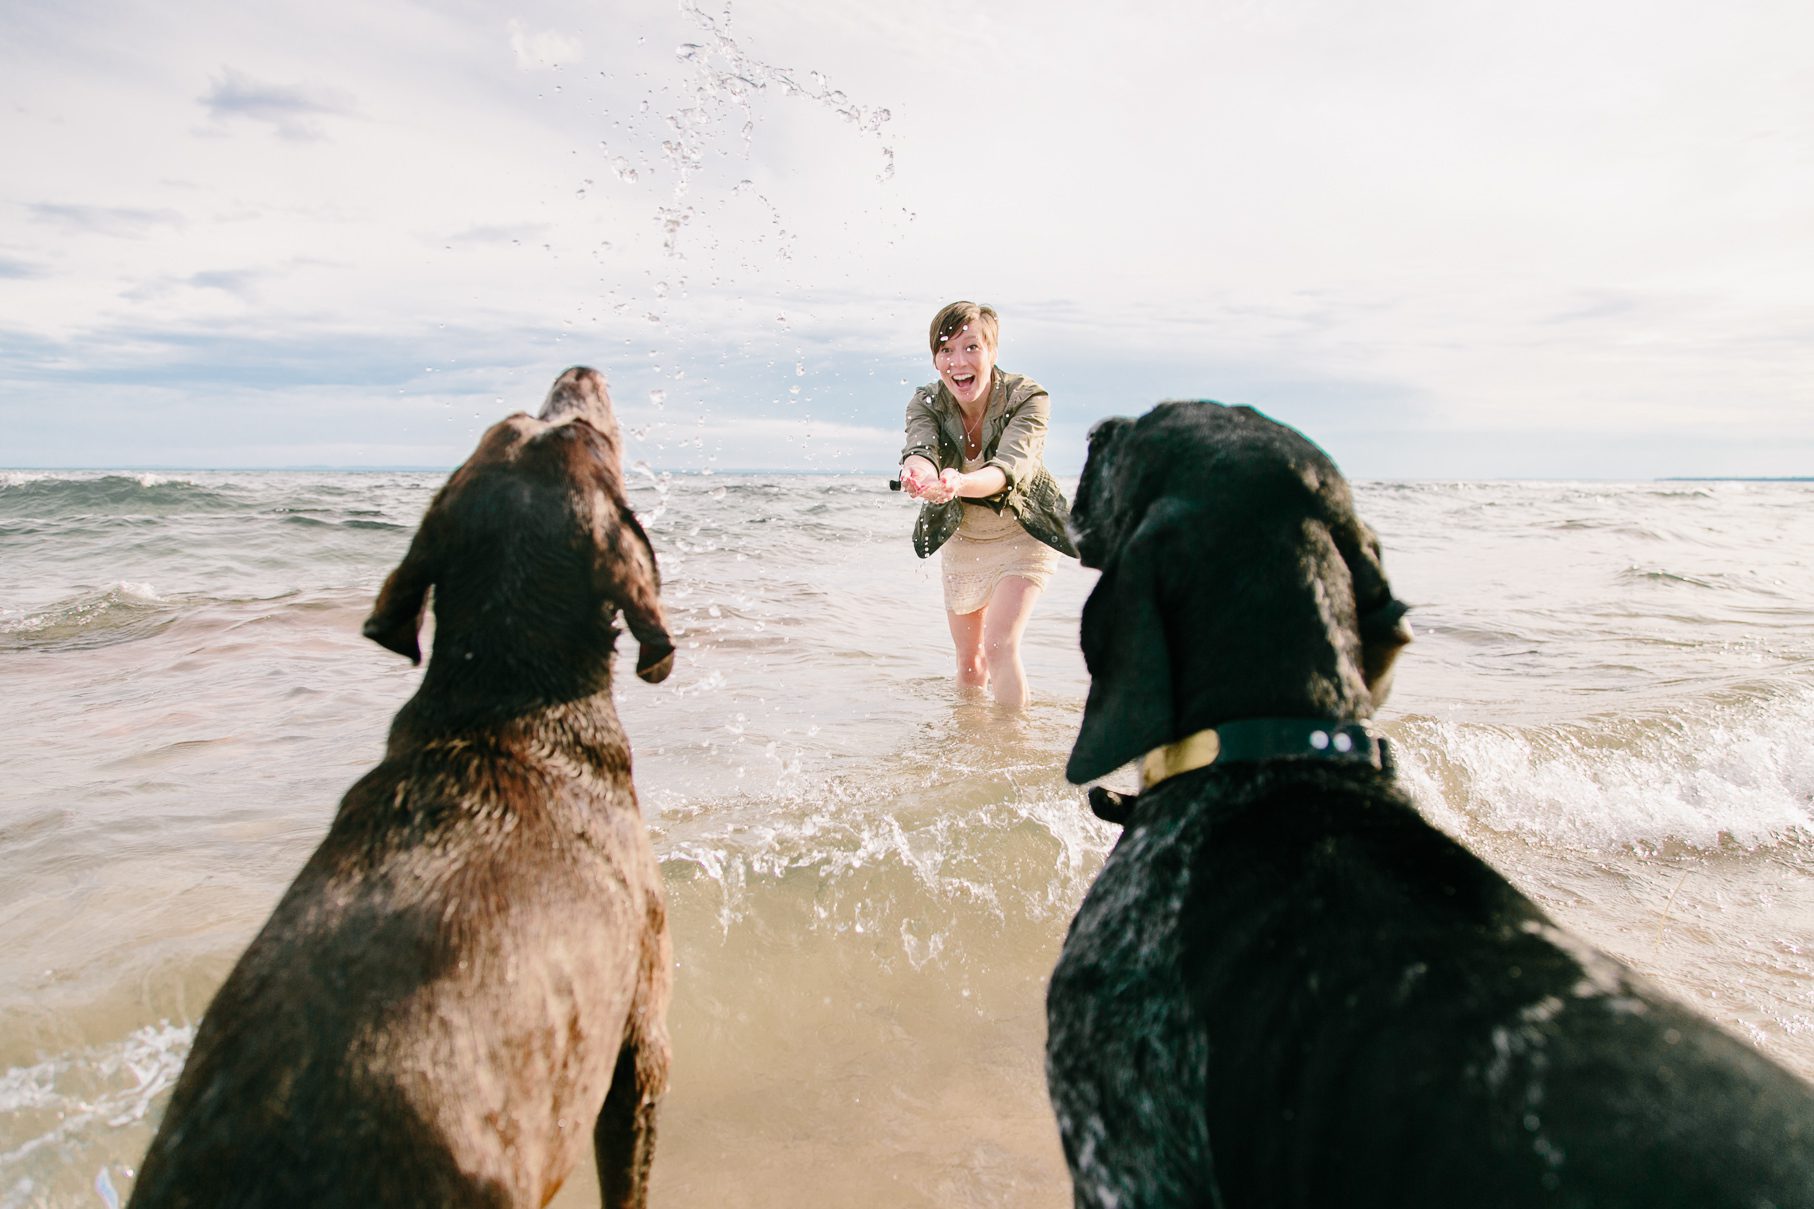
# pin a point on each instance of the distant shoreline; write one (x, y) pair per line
(800, 472)
(381, 470)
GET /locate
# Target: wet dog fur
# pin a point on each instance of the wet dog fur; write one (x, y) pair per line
(1285, 988)
(467, 983)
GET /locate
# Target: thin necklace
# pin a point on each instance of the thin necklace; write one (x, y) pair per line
(973, 437)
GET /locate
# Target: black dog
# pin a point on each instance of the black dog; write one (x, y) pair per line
(469, 979)
(1287, 989)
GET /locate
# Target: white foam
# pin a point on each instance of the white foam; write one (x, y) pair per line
(99, 1086)
(955, 858)
(138, 591)
(83, 611)
(1735, 775)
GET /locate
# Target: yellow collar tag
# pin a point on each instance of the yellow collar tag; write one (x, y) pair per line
(1186, 755)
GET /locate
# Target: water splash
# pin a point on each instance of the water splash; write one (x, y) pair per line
(705, 113)
(726, 78)
(974, 854)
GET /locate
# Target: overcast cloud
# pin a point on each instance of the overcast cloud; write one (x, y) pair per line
(1448, 240)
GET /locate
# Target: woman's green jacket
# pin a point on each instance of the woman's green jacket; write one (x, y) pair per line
(1014, 438)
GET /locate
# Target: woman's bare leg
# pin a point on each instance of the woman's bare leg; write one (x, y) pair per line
(967, 636)
(1003, 622)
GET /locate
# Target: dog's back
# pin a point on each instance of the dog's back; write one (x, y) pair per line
(475, 959)
(422, 1000)
(1286, 989)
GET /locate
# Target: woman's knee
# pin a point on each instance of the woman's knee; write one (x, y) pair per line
(999, 649)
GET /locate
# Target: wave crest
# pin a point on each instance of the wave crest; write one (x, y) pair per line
(25, 495)
(1713, 776)
(121, 613)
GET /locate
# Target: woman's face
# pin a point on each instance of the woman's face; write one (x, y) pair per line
(965, 364)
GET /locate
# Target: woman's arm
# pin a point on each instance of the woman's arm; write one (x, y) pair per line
(919, 457)
(922, 428)
(978, 484)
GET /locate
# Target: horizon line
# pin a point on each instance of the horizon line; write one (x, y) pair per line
(325, 468)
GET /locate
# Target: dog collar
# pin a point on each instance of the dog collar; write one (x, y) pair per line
(1256, 739)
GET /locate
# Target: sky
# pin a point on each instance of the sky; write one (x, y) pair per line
(1446, 239)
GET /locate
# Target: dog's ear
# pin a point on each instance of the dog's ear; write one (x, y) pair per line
(396, 618)
(1384, 632)
(624, 573)
(1127, 649)
(1092, 510)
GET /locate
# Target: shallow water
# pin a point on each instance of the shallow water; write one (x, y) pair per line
(869, 874)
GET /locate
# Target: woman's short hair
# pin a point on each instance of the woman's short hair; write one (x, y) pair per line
(956, 316)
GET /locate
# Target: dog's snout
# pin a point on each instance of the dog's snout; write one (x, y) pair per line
(580, 391)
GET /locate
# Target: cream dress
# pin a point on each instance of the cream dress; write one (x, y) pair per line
(987, 547)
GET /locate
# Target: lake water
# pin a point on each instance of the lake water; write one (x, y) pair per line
(869, 876)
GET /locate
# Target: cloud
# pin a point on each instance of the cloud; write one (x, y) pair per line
(241, 283)
(1594, 307)
(126, 222)
(290, 110)
(751, 443)
(544, 49)
(500, 233)
(1399, 229)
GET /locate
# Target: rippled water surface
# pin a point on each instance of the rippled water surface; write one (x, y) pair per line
(869, 875)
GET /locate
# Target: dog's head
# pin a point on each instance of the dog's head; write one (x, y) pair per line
(580, 394)
(532, 550)
(1237, 582)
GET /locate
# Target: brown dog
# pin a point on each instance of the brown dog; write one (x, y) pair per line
(470, 975)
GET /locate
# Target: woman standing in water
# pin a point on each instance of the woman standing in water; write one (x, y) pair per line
(975, 440)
